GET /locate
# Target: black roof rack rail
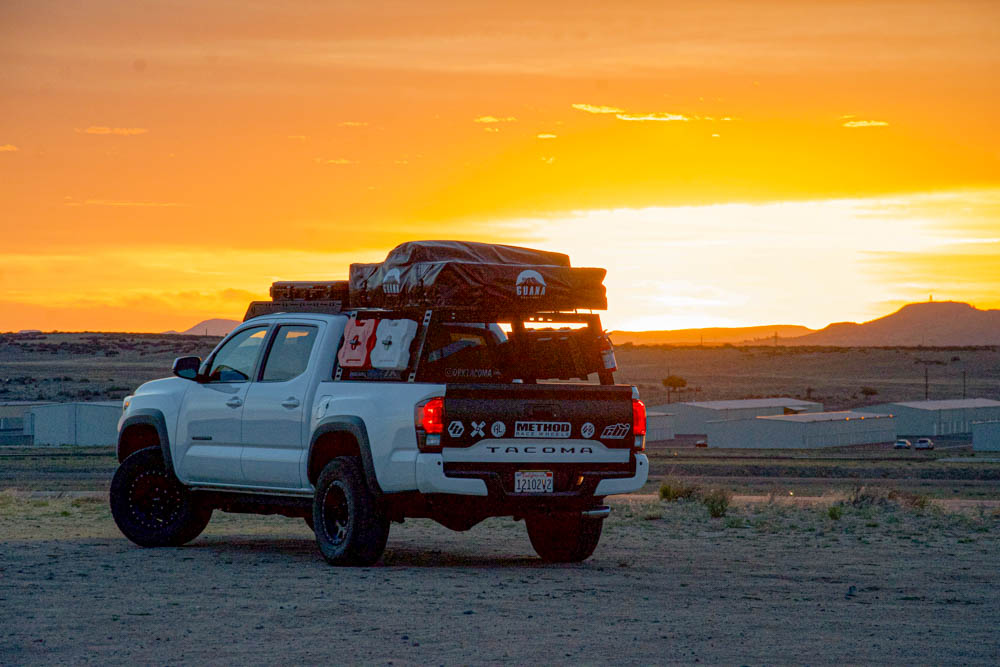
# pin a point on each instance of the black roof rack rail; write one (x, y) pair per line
(259, 308)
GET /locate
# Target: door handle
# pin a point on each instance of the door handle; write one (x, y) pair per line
(234, 402)
(290, 402)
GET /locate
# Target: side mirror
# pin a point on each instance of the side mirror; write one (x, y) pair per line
(187, 367)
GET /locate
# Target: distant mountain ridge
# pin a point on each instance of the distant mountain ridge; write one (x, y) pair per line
(932, 324)
(214, 327)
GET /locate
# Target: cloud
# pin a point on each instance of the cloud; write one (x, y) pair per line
(9, 148)
(491, 129)
(590, 108)
(548, 159)
(336, 160)
(495, 119)
(657, 117)
(547, 136)
(866, 123)
(120, 131)
(622, 114)
(353, 123)
(117, 202)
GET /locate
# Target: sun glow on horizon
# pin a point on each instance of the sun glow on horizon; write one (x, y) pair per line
(668, 267)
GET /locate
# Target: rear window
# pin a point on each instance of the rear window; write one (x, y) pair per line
(483, 353)
(462, 353)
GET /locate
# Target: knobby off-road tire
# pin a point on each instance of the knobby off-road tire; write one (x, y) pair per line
(150, 505)
(350, 527)
(564, 538)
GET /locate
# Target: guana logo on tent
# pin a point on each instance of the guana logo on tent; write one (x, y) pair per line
(391, 283)
(530, 284)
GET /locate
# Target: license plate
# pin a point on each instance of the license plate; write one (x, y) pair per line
(533, 481)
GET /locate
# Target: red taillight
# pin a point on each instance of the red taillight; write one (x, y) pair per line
(430, 416)
(638, 417)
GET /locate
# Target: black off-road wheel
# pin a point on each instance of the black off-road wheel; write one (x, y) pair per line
(150, 505)
(564, 538)
(350, 527)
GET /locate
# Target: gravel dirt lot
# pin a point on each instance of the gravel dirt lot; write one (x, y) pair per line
(772, 582)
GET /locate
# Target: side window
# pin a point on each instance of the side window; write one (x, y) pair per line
(289, 353)
(234, 362)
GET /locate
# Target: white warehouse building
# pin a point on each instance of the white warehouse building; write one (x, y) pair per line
(929, 418)
(659, 426)
(986, 436)
(89, 424)
(691, 418)
(802, 431)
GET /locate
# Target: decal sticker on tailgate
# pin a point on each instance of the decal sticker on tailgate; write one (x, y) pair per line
(542, 429)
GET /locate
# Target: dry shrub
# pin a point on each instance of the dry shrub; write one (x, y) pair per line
(870, 496)
(912, 500)
(717, 501)
(835, 512)
(673, 489)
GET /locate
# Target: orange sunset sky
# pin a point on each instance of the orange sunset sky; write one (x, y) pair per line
(729, 163)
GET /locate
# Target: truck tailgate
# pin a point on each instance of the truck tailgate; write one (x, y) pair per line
(538, 412)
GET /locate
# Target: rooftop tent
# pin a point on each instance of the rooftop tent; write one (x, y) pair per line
(481, 276)
(415, 252)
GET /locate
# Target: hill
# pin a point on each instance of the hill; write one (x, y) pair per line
(941, 323)
(213, 327)
(710, 336)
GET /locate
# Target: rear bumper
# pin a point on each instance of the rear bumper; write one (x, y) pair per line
(431, 479)
(609, 487)
(436, 476)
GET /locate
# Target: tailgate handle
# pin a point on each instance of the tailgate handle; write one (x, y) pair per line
(546, 411)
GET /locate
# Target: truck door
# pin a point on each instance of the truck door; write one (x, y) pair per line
(274, 413)
(209, 430)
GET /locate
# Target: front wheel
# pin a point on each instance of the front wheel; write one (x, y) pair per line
(150, 505)
(350, 527)
(564, 538)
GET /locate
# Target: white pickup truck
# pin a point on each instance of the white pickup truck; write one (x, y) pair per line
(280, 420)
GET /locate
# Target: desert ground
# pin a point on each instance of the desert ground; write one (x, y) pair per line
(772, 582)
(838, 377)
(857, 572)
(856, 555)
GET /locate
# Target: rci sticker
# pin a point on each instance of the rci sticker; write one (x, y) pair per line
(456, 429)
(615, 431)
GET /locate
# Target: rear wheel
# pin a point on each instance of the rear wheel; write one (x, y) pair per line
(564, 538)
(150, 505)
(350, 527)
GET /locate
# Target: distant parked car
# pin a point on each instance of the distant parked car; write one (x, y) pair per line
(902, 443)
(924, 443)
(700, 443)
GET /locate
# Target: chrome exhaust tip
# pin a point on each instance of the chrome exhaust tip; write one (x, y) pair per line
(596, 513)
